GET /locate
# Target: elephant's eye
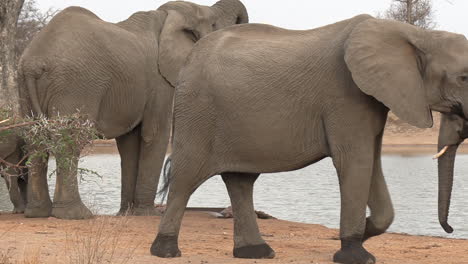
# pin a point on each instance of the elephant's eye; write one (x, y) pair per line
(213, 26)
(462, 80)
(192, 34)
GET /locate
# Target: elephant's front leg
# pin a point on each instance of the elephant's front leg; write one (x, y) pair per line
(67, 201)
(38, 199)
(354, 166)
(247, 240)
(129, 150)
(155, 130)
(149, 169)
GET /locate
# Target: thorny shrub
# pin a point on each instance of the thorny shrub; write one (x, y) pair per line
(64, 137)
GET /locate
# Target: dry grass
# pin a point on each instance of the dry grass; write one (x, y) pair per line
(101, 242)
(7, 257)
(103, 239)
(32, 257)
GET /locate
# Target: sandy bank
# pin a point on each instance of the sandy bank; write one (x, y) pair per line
(203, 239)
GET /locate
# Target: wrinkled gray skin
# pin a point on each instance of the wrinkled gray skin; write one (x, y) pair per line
(453, 131)
(122, 77)
(259, 99)
(15, 178)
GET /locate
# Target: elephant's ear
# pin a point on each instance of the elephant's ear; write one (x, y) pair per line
(387, 62)
(175, 44)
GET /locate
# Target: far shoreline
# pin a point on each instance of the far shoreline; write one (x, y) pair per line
(389, 147)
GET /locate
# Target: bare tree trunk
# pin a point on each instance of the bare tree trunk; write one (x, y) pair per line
(409, 7)
(9, 13)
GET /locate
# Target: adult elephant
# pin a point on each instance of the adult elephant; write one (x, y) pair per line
(327, 91)
(453, 131)
(14, 171)
(121, 76)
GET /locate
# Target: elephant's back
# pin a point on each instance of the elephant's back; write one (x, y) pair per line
(260, 37)
(76, 35)
(260, 57)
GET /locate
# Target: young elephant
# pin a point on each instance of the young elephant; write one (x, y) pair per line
(15, 178)
(121, 76)
(259, 99)
(453, 131)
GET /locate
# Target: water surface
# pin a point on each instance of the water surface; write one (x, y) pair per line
(309, 195)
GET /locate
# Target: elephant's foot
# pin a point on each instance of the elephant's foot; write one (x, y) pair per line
(18, 210)
(76, 210)
(262, 251)
(352, 252)
(145, 211)
(165, 246)
(38, 210)
(373, 230)
(124, 211)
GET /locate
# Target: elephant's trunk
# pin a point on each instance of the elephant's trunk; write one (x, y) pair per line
(446, 167)
(230, 12)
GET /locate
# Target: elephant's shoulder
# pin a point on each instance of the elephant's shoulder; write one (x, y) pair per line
(247, 39)
(245, 33)
(253, 30)
(72, 19)
(76, 11)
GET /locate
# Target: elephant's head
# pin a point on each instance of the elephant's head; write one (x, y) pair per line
(413, 71)
(186, 23)
(453, 130)
(11, 152)
(410, 70)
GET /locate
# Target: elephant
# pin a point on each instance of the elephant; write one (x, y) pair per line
(121, 77)
(245, 89)
(16, 177)
(453, 131)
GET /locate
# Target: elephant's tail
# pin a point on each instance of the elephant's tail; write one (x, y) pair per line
(31, 86)
(166, 179)
(30, 69)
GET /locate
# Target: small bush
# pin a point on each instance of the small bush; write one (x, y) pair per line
(64, 137)
(102, 241)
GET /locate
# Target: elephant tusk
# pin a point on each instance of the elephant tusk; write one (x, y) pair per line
(441, 152)
(4, 121)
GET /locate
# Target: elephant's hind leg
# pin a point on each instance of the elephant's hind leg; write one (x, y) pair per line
(67, 201)
(247, 240)
(380, 203)
(38, 199)
(183, 184)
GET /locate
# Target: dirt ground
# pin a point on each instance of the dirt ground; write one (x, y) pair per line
(203, 239)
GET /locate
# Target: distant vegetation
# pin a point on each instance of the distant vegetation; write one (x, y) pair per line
(415, 12)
